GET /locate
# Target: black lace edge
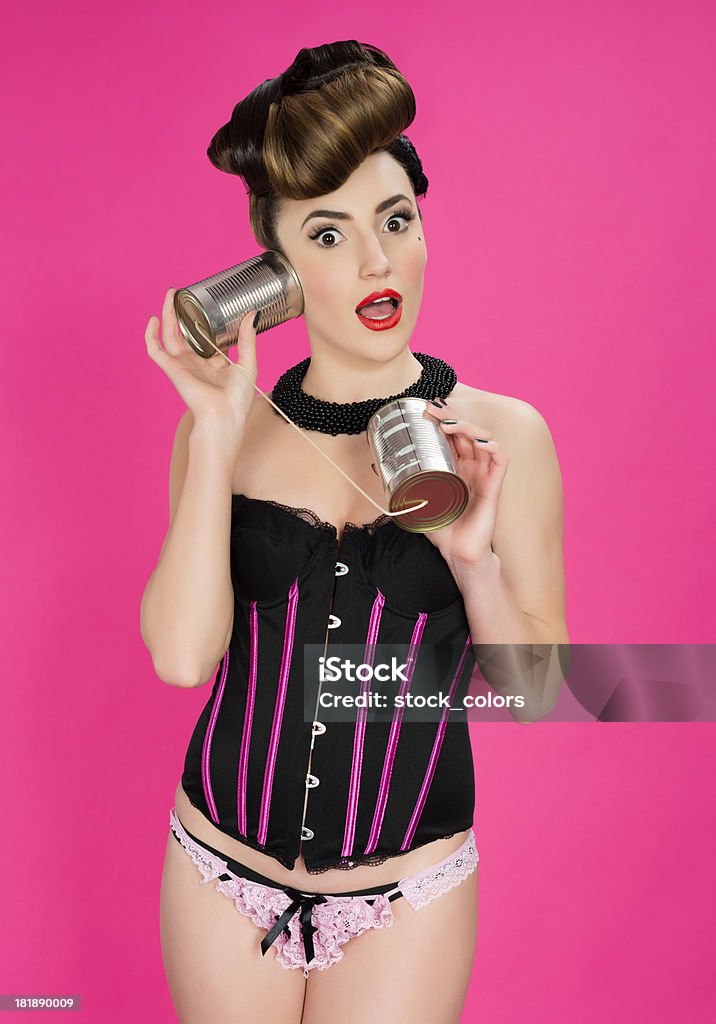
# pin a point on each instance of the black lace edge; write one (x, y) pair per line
(371, 860)
(335, 864)
(313, 519)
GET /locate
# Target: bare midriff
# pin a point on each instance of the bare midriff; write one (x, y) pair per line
(334, 880)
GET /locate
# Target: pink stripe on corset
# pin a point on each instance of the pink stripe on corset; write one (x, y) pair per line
(248, 721)
(435, 753)
(359, 735)
(394, 735)
(206, 748)
(278, 710)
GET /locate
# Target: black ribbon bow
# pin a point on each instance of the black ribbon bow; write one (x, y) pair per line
(305, 904)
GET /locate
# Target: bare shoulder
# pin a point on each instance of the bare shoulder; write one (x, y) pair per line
(529, 526)
(510, 420)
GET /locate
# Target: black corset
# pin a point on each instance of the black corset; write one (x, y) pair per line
(341, 793)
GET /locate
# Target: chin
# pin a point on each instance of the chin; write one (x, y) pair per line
(384, 353)
(388, 344)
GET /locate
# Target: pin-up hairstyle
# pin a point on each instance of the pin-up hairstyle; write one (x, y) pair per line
(302, 134)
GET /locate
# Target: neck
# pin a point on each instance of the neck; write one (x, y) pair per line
(339, 377)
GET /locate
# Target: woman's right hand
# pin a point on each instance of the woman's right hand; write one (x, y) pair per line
(212, 388)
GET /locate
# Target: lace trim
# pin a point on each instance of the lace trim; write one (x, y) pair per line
(311, 517)
(319, 868)
(209, 865)
(371, 527)
(287, 862)
(428, 885)
(307, 514)
(371, 860)
(336, 921)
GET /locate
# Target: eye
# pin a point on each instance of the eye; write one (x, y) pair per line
(405, 214)
(324, 231)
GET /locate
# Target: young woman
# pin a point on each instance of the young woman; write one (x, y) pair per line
(346, 847)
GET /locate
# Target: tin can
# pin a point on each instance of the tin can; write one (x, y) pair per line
(214, 308)
(414, 462)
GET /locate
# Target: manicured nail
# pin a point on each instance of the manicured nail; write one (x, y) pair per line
(256, 319)
(436, 404)
(449, 421)
(485, 440)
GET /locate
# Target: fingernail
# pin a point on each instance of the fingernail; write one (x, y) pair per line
(256, 319)
(436, 404)
(448, 421)
(485, 440)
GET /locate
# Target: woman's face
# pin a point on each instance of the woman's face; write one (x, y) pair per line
(351, 243)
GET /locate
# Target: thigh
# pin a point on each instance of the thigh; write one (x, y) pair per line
(212, 955)
(417, 970)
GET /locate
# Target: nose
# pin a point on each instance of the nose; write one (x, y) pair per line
(374, 261)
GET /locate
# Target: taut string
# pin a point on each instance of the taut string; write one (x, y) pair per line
(305, 437)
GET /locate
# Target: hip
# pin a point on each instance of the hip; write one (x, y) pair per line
(331, 880)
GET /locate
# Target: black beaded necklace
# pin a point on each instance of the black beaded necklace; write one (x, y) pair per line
(436, 381)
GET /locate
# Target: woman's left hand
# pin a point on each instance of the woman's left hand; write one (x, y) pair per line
(467, 541)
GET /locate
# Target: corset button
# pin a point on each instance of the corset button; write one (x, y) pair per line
(333, 622)
(306, 833)
(312, 781)
(318, 728)
(341, 568)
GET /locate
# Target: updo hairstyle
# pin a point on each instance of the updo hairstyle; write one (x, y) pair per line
(302, 134)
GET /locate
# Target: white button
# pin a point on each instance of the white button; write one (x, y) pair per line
(341, 568)
(306, 833)
(312, 781)
(336, 622)
(318, 728)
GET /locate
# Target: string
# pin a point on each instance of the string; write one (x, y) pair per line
(400, 512)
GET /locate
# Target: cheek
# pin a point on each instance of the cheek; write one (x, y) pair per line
(322, 290)
(325, 289)
(311, 274)
(415, 260)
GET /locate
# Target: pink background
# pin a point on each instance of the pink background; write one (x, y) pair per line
(569, 219)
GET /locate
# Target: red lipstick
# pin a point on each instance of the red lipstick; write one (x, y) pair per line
(383, 323)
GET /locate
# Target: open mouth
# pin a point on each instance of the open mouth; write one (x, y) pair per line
(381, 309)
(380, 314)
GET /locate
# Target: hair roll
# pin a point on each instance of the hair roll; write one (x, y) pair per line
(303, 133)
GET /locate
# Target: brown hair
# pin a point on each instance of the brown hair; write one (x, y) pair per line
(302, 134)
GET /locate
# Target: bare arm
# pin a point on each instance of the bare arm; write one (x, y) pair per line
(187, 609)
(513, 589)
(516, 601)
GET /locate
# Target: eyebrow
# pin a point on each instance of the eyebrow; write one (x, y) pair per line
(341, 215)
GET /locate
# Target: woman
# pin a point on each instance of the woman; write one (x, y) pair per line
(346, 847)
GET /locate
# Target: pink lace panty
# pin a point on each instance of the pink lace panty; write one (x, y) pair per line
(308, 929)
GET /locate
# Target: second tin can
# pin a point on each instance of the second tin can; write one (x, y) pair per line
(214, 308)
(415, 462)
